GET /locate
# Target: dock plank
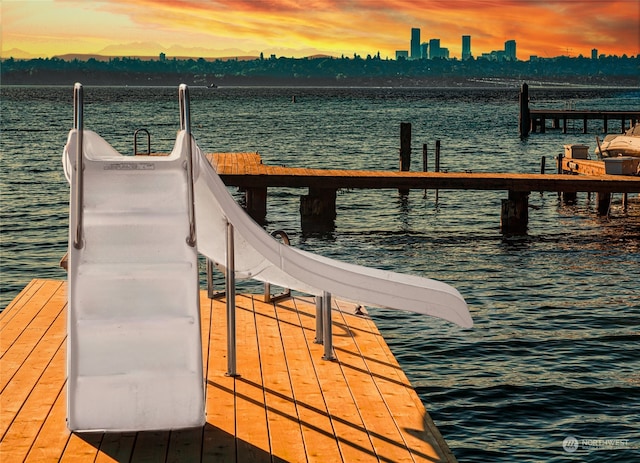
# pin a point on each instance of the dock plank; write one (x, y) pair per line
(287, 404)
(387, 438)
(27, 360)
(252, 432)
(29, 418)
(13, 319)
(353, 439)
(420, 434)
(316, 426)
(285, 434)
(116, 447)
(53, 435)
(32, 332)
(219, 433)
(13, 309)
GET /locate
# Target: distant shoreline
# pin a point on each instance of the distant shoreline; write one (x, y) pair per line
(255, 81)
(324, 72)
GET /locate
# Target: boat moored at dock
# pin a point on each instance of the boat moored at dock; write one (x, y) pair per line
(626, 144)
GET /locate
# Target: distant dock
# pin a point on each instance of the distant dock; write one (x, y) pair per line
(288, 404)
(535, 120)
(559, 118)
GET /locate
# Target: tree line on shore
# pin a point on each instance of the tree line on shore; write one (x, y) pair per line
(606, 70)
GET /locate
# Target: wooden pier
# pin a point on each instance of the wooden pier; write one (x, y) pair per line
(559, 118)
(287, 405)
(535, 120)
(246, 170)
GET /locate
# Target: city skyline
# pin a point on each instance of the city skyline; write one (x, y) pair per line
(218, 28)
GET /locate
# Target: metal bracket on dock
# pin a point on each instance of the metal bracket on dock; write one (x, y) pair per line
(211, 292)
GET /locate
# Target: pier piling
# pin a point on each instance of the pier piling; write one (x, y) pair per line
(425, 160)
(405, 151)
(524, 119)
(256, 203)
(318, 208)
(603, 201)
(514, 216)
(405, 146)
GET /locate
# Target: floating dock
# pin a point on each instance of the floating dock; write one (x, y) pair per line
(288, 404)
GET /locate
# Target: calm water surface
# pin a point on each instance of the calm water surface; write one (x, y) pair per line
(555, 347)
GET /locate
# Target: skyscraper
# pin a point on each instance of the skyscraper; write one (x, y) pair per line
(466, 47)
(510, 50)
(415, 43)
(434, 49)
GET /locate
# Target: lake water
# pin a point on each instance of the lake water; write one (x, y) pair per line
(555, 347)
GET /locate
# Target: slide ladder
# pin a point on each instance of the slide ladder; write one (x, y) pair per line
(134, 339)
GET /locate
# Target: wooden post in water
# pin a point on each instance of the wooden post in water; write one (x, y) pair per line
(318, 209)
(425, 163)
(437, 167)
(525, 117)
(543, 168)
(405, 146)
(256, 203)
(514, 216)
(425, 160)
(603, 202)
(405, 150)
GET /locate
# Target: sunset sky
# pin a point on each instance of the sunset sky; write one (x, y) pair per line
(210, 28)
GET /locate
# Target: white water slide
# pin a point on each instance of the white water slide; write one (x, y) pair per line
(137, 224)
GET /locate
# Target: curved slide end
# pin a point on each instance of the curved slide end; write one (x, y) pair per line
(259, 256)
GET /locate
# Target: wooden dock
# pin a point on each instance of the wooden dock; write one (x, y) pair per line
(535, 120)
(318, 207)
(246, 170)
(287, 405)
(559, 118)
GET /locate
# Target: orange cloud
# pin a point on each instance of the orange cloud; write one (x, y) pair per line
(545, 28)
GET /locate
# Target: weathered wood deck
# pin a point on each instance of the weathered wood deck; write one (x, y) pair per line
(287, 405)
(246, 170)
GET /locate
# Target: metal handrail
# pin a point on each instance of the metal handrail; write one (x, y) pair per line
(185, 124)
(230, 289)
(135, 141)
(78, 177)
(267, 286)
